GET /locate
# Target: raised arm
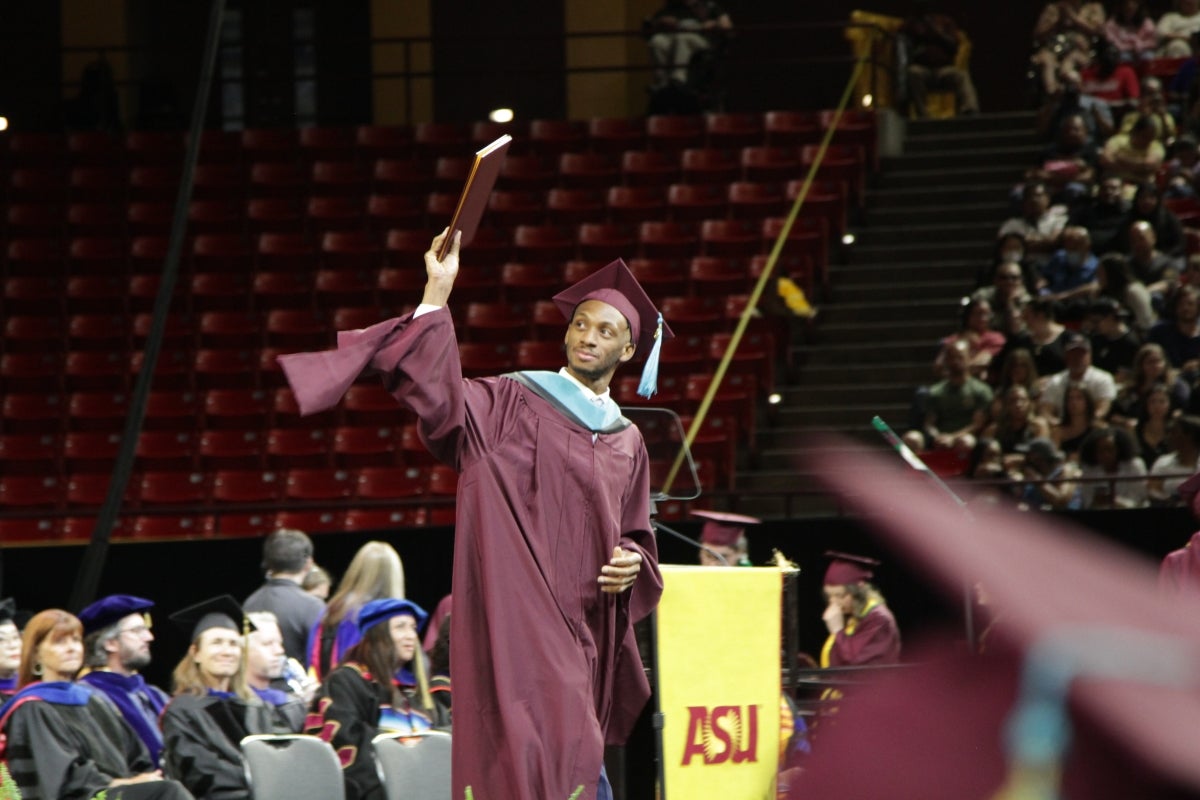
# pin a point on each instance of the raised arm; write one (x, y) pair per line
(440, 274)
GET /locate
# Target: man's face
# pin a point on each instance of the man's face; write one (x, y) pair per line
(596, 341)
(1074, 133)
(956, 360)
(730, 554)
(1078, 360)
(841, 597)
(132, 643)
(265, 655)
(10, 648)
(1008, 279)
(218, 653)
(1110, 191)
(1036, 202)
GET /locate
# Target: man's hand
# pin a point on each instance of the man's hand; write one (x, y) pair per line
(441, 273)
(833, 617)
(620, 572)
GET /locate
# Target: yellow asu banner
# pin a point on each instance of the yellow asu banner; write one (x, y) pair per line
(719, 631)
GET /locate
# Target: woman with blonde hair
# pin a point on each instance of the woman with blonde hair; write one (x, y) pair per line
(375, 572)
(213, 708)
(64, 738)
(1150, 368)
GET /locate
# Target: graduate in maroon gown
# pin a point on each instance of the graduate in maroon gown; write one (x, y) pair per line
(862, 629)
(1179, 572)
(554, 555)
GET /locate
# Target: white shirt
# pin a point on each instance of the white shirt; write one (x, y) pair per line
(1098, 382)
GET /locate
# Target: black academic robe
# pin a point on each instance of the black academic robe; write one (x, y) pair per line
(201, 742)
(545, 666)
(72, 752)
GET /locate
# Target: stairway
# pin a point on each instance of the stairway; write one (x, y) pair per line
(930, 220)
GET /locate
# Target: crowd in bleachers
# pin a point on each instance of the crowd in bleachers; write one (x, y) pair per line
(1073, 374)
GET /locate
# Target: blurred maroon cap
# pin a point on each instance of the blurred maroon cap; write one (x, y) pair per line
(722, 528)
(846, 569)
(1128, 661)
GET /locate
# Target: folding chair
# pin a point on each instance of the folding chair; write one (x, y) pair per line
(733, 130)
(383, 141)
(414, 765)
(634, 203)
(571, 206)
(616, 134)
(674, 131)
(274, 215)
(708, 165)
(295, 766)
(649, 168)
(554, 137)
(588, 170)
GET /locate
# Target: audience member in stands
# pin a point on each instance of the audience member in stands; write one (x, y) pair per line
(1040, 223)
(1070, 164)
(116, 647)
(318, 583)
(1174, 467)
(1069, 277)
(1077, 422)
(1115, 281)
(1103, 90)
(65, 739)
(1114, 344)
(975, 328)
(1135, 156)
(1132, 31)
(213, 709)
(1154, 269)
(1182, 166)
(932, 46)
(375, 572)
(1179, 332)
(375, 691)
(1150, 368)
(1152, 103)
(287, 558)
(10, 648)
(987, 462)
(1104, 214)
(1100, 384)
(724, 538)
(680, 30)
(1018, 422)
(1004, 296)
(1112, 454)
(1050, 478)
(1176, 28)
(861, 627)
(957, 406)
(1061, 39)
(1150, 435)
(1148, 207)
(1043, 336)
(1019, 369)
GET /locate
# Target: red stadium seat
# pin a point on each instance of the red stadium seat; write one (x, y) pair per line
(173, 526)
(660, 277)
(537, 354)
(270, 144)
(386, 483)
(173, 488)
(484, 132)
(709, 276)
(256, 525)
(29, 454)
(219, 329)
(733, 130)
(94, 147)
(284, 251)
(708, 165)
(215, 217)
(154, 147)
(433, 139)
(13, 531)
(573, 206)
(97, 411)
(649, 168)
(214, 181)
(37, 185)
(543, 243)
(450, 172)
(286, 414)
(791, 128)
(344, 286)
(588, 170)
(776, 165)
(604, 241)
(528, 173)
(230, 449)
(86, 370)
(226, 368)
(295, 330)
(413, 449)
(282, 290)
(443, 481)
(95, 219)
(527, 283)
(354, 318)
(34, 220)
(402, 177)
(750, 200)
(217, 252)
(383, 141)
(386, 211)
(96, 184)
(325, 214)
(616, 134)
(634, 203)
(320, 521)
(691, 315)
(484, 358)
(274, 215)
(555, 136)
(687, 203)
(98, 332)
(90, 451)
(236, 408)
(730, 238)
(365, 446)
(495, 322)
(34, 412)
(667, 240)
(31, 491)
(95, 294)
(283, 179)
(30, 295)
(173, 370)
(383, 519)
(370, 404)
(173, 410)
(34, 257)
(319, 484)
(290, 448)
(91, 489)
(439, 209)
(342, 178)
(31, 372)
(165, 450)
(33, 333)
(246, 486)
(674, 131)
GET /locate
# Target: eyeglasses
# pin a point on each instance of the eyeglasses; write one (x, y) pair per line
(136, 630)
(9, 639)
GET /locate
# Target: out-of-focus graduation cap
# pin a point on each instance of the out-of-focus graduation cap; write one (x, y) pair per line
(615, 285)
(216, 612)
(723, 528)
(1090, 686)
(845, 569)
(110, 610)
(381, 610)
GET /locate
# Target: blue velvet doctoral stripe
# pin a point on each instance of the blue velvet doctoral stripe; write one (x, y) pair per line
(139, 703)
(61, 692)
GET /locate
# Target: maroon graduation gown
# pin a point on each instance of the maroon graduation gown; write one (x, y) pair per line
(545, 667)
(876, 640)
(1179, 572)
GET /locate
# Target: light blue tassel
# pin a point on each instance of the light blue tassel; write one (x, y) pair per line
(649, 385)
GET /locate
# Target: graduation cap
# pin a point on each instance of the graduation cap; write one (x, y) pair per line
(846, 569)
(1089, 687)
(616, 286)
(722, 528)
(381, 610)
(216, 612)
(110, 610)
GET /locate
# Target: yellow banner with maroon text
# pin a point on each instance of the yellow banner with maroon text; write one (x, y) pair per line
(719, 631)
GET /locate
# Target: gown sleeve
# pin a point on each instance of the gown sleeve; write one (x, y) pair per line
(44, 757)
(345, 714)
(875, 641)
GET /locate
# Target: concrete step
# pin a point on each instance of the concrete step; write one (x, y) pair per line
(888, 351)
(827, 394)
(1018, 158)
(919, 196)
(986, 173)
(870, 331)
(990, 213)
(914, 372)
(898, 315)
(938, 142)
(847, 414)
(948, 230)
(899, 291)
(968, 251)
(849, 274)
(798, 440)
(1004, 121)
